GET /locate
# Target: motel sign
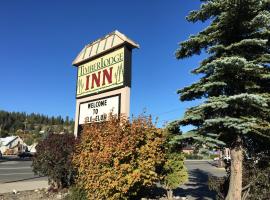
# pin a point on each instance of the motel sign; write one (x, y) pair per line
(103, 79)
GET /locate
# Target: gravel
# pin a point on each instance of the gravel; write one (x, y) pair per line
(34, 195)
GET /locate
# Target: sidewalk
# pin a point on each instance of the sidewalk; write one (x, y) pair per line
(23, 185)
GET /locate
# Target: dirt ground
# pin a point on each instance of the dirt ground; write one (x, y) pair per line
(45, 195)
(34, 195)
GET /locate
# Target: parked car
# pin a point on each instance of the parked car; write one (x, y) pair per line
(25, 155)
(216, 158)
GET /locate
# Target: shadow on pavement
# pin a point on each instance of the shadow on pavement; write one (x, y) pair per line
(197, 187)
(155, 192)
(13, 158)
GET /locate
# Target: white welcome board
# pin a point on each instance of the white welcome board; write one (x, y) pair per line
(99, 110)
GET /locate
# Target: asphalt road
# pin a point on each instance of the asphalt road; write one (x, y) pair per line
(15, 170)
(197, 186)
(206, 166)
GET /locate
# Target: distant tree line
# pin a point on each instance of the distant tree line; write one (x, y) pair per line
(11, 122)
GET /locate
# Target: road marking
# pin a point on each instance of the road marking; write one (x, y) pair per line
(16, 168)
(10, 163)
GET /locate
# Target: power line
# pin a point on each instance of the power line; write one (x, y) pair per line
(166, 112)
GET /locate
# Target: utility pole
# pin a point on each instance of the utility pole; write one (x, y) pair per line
(25, 125)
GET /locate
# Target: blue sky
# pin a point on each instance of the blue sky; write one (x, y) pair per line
(40, 39)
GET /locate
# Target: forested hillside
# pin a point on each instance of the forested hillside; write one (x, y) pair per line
(20, 123)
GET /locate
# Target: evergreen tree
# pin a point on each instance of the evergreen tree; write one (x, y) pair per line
(66, 121)
(10, 122)
(235, 79)
(173, 171)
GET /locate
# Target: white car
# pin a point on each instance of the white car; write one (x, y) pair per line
(216, 159)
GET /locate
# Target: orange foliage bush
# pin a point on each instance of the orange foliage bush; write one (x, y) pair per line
(116, 158)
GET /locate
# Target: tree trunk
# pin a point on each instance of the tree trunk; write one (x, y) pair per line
(235, 186)
(169, 194)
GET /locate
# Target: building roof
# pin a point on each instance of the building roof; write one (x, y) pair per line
(106, 43)
(5, 141)
(32, 147)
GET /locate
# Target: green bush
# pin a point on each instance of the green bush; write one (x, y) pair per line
(76, 193)
(193, 156)
(175, 172)
(256, 182)
(220, 185)
(212, 156)
(53, 159)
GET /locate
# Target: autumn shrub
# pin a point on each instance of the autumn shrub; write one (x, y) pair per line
(53, 159)
(257, 183)
(220, 185)
(115, 159)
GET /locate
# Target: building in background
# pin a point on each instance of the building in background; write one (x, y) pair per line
(32, 148)
(12, 145)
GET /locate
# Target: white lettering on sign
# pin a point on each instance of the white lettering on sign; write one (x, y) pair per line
(98, 110)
